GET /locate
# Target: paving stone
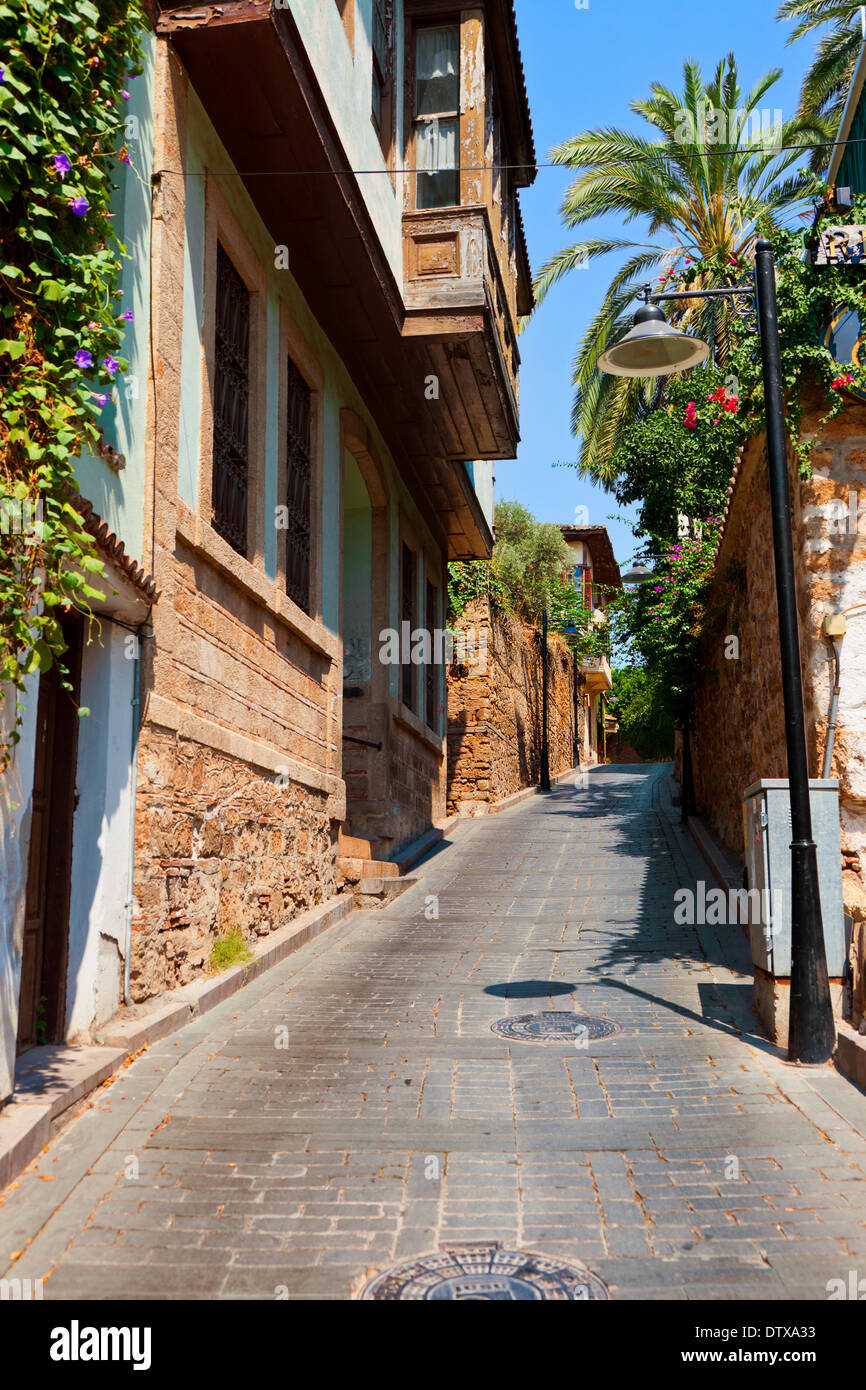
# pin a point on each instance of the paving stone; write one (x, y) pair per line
(302, 1171)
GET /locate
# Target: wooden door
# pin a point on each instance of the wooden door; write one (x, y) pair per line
(42, 996)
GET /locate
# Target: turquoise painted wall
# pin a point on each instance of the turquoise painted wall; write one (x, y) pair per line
(119, 497)
(205, 151)
(346, 80)
(852, 168)
(190, 349)
(357, 571)
(481, 477)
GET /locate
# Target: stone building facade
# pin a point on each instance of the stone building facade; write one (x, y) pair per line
(738, 734)
(323, 368)
(328, 353)
(495, 711)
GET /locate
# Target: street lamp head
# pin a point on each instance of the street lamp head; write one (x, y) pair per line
(571, 630)
(638, 574)
(652, 348)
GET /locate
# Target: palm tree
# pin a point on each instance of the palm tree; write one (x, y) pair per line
(826, 83)
(703, 190)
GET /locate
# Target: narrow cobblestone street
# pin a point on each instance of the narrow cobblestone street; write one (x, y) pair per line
(681, 1158)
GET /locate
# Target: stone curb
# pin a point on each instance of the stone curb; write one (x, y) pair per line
(726, 873)
(49, 1080)
(420, 848)
(850, 1055)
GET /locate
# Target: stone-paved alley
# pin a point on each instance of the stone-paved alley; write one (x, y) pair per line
(682, 1158)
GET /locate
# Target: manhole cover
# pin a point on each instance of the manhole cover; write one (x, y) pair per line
(481, 1271)
(555, 1026)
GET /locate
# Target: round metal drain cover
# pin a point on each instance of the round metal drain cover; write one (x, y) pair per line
(482, 1272)
(555, 1026)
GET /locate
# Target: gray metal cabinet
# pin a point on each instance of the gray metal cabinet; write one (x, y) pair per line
(767, 830)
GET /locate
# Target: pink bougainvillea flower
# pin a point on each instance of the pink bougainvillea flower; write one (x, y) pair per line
(61, 164)
(690, 421)
(93, 324)
(111, 365)
(79, 206)
(83, 358)
(844, 379)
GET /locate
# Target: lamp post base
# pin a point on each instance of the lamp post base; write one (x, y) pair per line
(811, 1031)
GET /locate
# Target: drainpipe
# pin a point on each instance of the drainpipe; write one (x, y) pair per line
(834, 710)
(133, 791)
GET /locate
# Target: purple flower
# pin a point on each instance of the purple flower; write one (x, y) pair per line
(79, 206)
(83, 358)
(128, 315)
(100, 400)
(2, 73)
(110, 365)
(125, 95)
(124, 158)
(61, 164)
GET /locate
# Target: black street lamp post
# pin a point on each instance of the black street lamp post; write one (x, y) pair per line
(544, 779)
(653, 348)
(575, 742)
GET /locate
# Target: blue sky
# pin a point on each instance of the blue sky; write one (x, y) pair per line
(583, 67)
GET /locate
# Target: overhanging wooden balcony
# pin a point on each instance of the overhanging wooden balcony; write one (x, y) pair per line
(596, 674)
(457, 307)
(283, 143)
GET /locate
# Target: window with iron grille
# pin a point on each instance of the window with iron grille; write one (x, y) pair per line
(431, 672)
(407, 611)
(231, 405)
(298, 418)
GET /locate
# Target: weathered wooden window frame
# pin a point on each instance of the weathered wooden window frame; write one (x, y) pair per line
(448, 18)
(222, 229)
(294, 347)
(409, 682)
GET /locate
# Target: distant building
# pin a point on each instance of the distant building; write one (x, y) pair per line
(596, 576)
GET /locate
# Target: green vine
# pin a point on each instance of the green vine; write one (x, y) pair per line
(65, 71)
(678, 460)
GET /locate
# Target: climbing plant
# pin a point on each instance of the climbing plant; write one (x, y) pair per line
(677, 462)
(65, 72)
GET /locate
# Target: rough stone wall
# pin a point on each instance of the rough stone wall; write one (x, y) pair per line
(415, 785)
(239, 786)
(494, 712)
(739, 725)
(219, 844)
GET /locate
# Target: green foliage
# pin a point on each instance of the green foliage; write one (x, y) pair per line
(673, 470)
(826, 83)
(677, 461)
(639, 704)
(230, 948)
(64, 66)
(529, 571)
(472, 579)
(703, 187)
(530, 560)
(666, 615)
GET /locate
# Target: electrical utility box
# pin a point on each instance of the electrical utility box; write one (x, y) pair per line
(767, 827)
